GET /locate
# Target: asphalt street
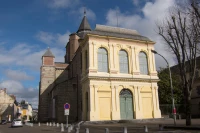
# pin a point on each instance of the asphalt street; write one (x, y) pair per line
(99, 127)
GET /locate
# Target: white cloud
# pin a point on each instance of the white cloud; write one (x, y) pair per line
(45, 37)
(17, 75)
(61, 4)
(53, 38)
(63, 39)
(89, 13)
(28, 56)
(146, 25)
(4, 42)
(13, 87)
(21, 93)
(80, 13)
(135, 2)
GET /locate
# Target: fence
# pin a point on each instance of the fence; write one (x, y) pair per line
(166, 110)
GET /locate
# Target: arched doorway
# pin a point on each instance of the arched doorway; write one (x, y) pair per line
(126, 104)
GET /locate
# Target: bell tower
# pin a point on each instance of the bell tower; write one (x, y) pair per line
(47, 77)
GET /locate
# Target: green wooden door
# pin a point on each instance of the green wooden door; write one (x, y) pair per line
(126, 104)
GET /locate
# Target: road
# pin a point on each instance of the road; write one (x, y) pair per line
(137, 127)
(28, 129)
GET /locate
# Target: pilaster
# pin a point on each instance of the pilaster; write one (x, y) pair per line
(138, 101)
(115, 103)
(151, 60)
(135, 62)
(93, 100)
(156, 109)
(91, 55)
(112, 59)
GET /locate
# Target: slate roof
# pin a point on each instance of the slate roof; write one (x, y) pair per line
(118, 32)
(48, 53)
(84, 26)
(120, 35)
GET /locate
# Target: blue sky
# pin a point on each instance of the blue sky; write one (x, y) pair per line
(28, 27)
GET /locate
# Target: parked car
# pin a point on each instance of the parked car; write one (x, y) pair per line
(17, 123)
(3, 122)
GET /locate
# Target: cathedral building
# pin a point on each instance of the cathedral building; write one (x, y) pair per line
(109, 73)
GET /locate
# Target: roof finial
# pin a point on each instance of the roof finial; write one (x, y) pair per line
(84, 11)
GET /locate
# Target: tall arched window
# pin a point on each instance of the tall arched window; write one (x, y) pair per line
(123, 61)
(143, 63)
(102, 60)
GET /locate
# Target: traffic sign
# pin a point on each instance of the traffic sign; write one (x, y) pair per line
(66, 106)
(66, 111)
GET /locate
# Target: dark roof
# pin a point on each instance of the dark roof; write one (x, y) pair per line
(84, 26)
(103, 30)
(120, 35)
(48, 53)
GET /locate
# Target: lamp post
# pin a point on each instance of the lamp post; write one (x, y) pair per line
(173, 105)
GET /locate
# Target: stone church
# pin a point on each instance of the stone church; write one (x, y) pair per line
(109, 73)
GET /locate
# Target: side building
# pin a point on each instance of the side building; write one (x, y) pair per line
(195, 94)
(109, 73)
(8, 108)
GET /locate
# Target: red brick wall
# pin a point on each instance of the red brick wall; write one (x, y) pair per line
(48, 61)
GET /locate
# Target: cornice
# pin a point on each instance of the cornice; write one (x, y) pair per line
(119, 79)
(118, 38)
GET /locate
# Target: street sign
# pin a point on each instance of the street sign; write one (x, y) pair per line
(66, 111)
(66, 106)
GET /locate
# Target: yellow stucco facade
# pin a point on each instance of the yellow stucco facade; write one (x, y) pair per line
(101, 90)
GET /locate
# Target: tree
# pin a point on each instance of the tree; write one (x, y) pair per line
(164, 90)
(180, 33)
(23, 102)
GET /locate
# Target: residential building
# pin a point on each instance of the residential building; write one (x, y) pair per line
(8, 108)
(26, 111)
(109, 73)
(195, 94)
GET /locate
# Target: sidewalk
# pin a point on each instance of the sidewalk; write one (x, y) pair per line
(132, 126)
(138, 126)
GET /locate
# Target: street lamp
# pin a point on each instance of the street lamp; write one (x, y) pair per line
(173, 105)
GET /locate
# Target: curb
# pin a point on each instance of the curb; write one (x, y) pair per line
(182, 127)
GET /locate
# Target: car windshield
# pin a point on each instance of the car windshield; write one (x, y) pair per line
(3, 120)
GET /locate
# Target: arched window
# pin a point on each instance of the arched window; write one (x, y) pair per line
(143, 63)
(102, 60)
(123, 61)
